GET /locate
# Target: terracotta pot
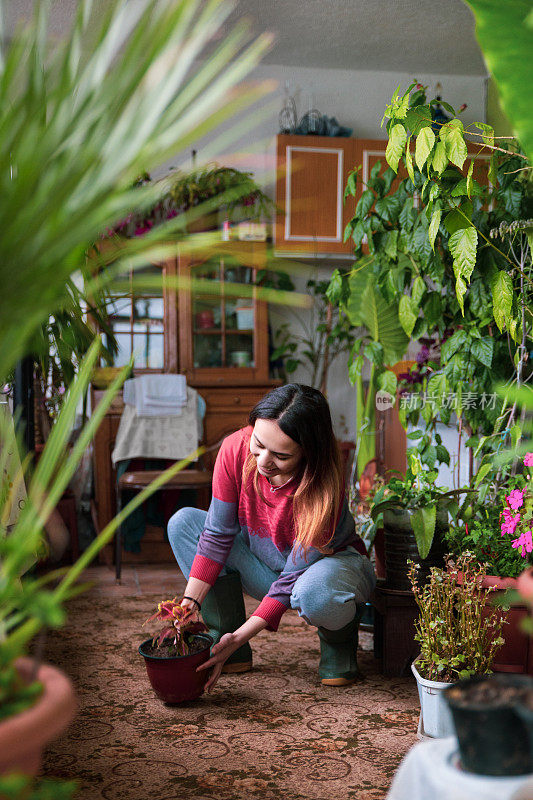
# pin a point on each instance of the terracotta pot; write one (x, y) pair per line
(24, 736)
(516, 655)
(524, 584)
(175, 680)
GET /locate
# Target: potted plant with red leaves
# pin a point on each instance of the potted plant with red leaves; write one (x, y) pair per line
(174, 653)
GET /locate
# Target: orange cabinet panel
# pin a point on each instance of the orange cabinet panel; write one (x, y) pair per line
(311, 175)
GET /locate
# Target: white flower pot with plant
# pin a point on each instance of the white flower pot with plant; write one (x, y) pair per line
(457, 638)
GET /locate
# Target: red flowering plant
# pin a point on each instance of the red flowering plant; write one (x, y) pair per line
(516, 519)
(180, 627)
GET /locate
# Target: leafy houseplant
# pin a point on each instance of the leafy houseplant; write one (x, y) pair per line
(412, 510)
(173, 654)
(457, 639)
(72, 143)
(201, 192)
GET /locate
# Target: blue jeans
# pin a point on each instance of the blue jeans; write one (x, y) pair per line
(325, 595)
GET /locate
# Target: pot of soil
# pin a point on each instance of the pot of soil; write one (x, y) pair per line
(435, 716)
(174, 678)
(400, 547)
(24, 736)
(493, 739)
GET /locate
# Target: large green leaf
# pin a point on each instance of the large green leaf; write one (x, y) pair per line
(406, 314)
(395, 146)
(452, 135)
(382, 323)
(483, 350)
(365, 203)
(423, 522)
(434, 226)
(502, 297)
(424, 144)
(463, 247)
(357, 281)
(505, 34)
(440, 159)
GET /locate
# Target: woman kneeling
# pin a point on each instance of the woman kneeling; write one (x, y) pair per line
(278, 527)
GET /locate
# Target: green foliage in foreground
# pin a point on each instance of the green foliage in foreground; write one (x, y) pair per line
(505, 34)
(82, 119)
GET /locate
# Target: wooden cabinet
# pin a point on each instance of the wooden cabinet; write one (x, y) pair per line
(312, 172)
(223, 336)
(311, 176)
(218, 340)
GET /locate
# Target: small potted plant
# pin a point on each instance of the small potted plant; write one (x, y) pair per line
(414, 515)
(457, 639)
(174, 653)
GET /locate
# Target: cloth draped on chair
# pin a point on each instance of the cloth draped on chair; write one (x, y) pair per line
(153, 442)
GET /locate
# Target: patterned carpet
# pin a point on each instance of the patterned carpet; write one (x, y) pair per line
(272, 733)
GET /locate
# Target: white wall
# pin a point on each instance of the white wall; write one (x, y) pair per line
(357, 100)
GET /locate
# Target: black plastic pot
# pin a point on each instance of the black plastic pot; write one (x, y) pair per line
(526, 715)
(401, 547)
(493, 739)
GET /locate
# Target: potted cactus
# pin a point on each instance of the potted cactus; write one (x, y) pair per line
(173, 654)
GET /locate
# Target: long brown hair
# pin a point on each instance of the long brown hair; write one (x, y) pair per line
(303, 415)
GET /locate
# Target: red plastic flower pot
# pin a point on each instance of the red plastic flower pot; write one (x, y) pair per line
(174, 679)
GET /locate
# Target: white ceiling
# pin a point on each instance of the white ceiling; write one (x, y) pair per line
(430, 36)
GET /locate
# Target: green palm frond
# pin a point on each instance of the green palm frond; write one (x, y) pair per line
(80, 121)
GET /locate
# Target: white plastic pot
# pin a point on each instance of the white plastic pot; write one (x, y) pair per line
(435, 716)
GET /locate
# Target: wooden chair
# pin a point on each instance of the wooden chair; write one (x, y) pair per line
(137, 480)
(199, 478)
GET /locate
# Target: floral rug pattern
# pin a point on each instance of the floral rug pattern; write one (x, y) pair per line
(272, 733)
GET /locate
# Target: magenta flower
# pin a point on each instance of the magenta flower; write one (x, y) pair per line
(510, 522)
(528, 460)
(515, 499)
(525, 541)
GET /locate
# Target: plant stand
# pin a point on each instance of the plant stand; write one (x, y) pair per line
(394, 630)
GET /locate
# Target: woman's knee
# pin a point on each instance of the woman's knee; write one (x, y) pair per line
(185, 524)
(323, 608)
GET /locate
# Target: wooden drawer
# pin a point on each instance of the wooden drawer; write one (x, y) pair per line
(232, 399)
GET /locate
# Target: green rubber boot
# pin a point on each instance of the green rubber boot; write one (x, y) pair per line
(338, 653)
(223, 612)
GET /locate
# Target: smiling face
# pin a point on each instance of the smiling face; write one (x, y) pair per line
(277, 455)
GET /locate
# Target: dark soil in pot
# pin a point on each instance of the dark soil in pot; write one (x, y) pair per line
(169, 651)
(174, 679)
(401, 547)
(493, 739)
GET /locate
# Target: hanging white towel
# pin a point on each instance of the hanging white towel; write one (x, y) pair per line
(162, 436)
(156, 395)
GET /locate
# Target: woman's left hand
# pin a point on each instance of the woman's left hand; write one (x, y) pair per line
(219, 654)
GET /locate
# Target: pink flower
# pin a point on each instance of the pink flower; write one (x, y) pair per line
(515, 499)
(528, 460)
(510, 522)
(525, 541)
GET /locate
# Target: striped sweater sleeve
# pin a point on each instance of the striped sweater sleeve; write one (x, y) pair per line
(222, 523)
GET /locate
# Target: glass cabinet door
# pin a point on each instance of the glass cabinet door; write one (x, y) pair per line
(137, 320)
(224, 323)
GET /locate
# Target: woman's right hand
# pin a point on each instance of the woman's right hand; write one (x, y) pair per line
(189, 604)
